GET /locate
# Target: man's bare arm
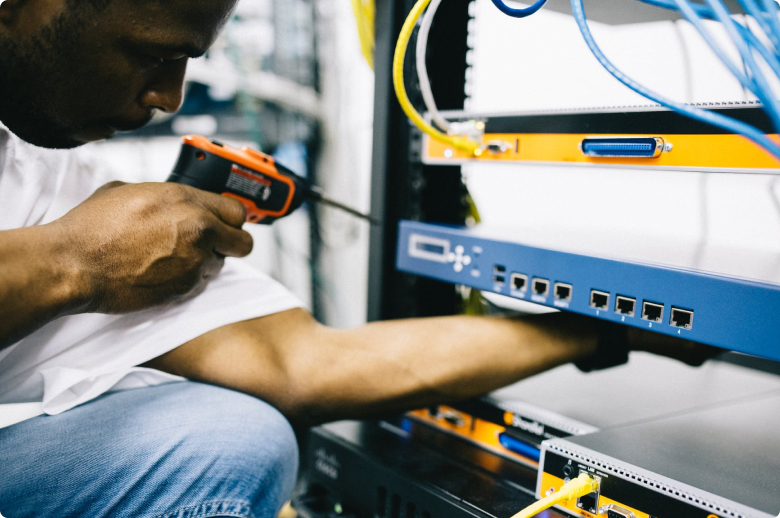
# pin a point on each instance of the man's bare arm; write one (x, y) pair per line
(314, 374)
(37, 282)
(128, 247)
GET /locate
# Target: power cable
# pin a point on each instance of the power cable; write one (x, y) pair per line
(422, 69)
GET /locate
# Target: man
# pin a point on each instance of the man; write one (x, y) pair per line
(111, 297)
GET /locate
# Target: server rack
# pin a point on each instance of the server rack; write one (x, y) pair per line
(401, 186)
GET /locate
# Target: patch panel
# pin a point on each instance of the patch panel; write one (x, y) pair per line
(661, 299)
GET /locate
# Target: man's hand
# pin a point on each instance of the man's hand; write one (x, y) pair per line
(143, 245)
(126, 248)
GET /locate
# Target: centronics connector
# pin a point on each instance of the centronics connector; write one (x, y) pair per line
(624, 147)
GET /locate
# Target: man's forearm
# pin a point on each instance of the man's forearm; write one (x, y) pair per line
(399, 365)
(36, 282)
(315, 374)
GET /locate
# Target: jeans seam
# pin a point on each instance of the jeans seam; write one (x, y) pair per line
(247, 514)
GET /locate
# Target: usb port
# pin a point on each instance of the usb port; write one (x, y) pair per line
(599, 299)
(681, 318)
(541, 287)
(563, 291)
(499, 280)
(499, 268)
(519, 282)
(625, 305)
(652, 311)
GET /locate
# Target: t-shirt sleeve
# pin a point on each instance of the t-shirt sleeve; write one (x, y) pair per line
(81, 357)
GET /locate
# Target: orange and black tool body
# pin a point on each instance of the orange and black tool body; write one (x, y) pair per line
(268, 190)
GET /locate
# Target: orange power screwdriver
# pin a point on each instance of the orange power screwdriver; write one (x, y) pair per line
(268, 190)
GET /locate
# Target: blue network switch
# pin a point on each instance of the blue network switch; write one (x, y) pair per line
(731, 313)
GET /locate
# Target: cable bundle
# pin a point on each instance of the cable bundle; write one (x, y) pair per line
(456, 141)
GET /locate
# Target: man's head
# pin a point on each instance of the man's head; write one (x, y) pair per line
(75, 71)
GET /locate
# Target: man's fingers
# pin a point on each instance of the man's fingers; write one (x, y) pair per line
(229, 210)
(232, 242)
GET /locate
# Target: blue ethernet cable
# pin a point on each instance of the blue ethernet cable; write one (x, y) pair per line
(772, 30)
(764, 92)
(518, 13)
(751, 8)
(708, 117)
(771, 8)
(758, 85)
(701, 10)
(768, 56)
(692, 17)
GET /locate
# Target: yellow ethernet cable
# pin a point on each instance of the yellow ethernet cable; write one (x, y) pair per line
(463, 144)
(580, 486)
(364, 16)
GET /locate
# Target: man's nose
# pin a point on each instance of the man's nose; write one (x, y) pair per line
(166, 90)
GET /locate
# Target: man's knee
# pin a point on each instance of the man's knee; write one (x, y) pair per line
(230, 446)
(177, 450)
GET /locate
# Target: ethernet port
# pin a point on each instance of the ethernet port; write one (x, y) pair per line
(652, 312)
(681, 318)
(625, 305)
(599, 299)
(519, 282)
(562, 291)
(590, 502)
(541, 287)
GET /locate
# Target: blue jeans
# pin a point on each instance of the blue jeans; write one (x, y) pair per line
(182, 450)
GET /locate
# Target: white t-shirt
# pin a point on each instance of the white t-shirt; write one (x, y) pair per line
(74, 359)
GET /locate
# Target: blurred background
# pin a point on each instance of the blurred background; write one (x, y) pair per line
(288, 77)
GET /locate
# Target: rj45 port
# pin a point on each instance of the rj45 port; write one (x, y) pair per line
(599, 299)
